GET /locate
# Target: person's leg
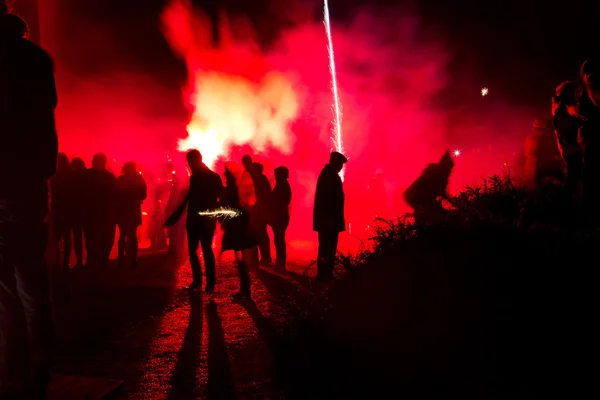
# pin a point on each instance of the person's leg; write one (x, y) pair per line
(122, 245)
(67, 244)
(32, 282)
(326, 256)
(13, 347)
(264, 244)
(280, 245)
(78, 242)
(133, 245)
(244, 273)
(193, 242)
(208, 254)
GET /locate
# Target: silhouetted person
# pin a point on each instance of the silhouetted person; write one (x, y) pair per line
(247, 194)
(61, 210)
(424, 195)
(100, 224)
(78, 176)
(589, 132)
(131, 191)
(543, 162)
(262, 207)
(204, 193)
(28, 154)
(328, 214)
(566, 126)
(236, 234)
(247, 184)
(280, 213)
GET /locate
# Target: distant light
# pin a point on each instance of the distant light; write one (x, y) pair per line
(457, 153)
(484, 92)
(173, 172)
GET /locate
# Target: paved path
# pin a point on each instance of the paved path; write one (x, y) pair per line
(141, 327)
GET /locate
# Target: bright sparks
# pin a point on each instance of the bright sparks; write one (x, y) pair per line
(457, 153)
(337, 107)
(223, 212)
(484, 92)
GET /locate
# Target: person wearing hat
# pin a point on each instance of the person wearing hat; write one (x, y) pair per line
(281, 198)
(328, 214)
(28, 158)
(566, 123)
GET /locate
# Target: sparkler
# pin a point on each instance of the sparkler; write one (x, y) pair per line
(223, 212)
(456, 153)
(484, 92)
(337, 107)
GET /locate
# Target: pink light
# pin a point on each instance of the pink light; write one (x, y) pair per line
(337, 107)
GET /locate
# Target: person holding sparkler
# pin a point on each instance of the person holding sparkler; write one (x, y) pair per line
(206, 189)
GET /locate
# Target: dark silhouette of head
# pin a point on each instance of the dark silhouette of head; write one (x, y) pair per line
(62, 164)
(77, 164)
(566, 93)
(12, 27)
(4, 7)
(446, 162)
(258, 168)
(337, 161)
(99, 161)
(281, 173)
(247, 162)
(130, 168)
(194, 159)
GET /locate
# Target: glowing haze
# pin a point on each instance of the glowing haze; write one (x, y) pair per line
(232, 102)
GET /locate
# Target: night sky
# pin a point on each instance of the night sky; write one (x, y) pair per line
(520, 49)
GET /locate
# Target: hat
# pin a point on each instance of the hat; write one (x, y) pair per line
(337, 157)
(283, 172)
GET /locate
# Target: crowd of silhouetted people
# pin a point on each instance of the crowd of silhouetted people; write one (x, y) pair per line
(87, 205)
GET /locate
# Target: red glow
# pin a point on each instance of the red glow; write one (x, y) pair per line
(391, 71)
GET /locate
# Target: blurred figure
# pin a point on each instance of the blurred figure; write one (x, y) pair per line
(589, 132)
(261, 210)
(162, 188)
(247, 196)
(130, 192)
(280, 213)
(100, 225)
(424, 195)
(28, 155)
(237, 236)
(78, 176)
(247, 184)
(206, 188)
(61, 210)
(328, 214)
(543, 161)
(566, 126)
(176, 233)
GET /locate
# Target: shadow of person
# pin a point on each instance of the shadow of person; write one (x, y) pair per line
(184, 382)
(220, 382)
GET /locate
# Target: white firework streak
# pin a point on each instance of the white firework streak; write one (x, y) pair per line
(223, 212)
(337, 106)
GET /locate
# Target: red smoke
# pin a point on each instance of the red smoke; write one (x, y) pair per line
(393, 71)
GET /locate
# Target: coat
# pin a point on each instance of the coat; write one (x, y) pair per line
(328, 211)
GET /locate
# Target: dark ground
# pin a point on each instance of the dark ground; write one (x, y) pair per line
(433, 326)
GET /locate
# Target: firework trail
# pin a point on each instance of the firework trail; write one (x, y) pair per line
(337, 107)
(222, 212)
